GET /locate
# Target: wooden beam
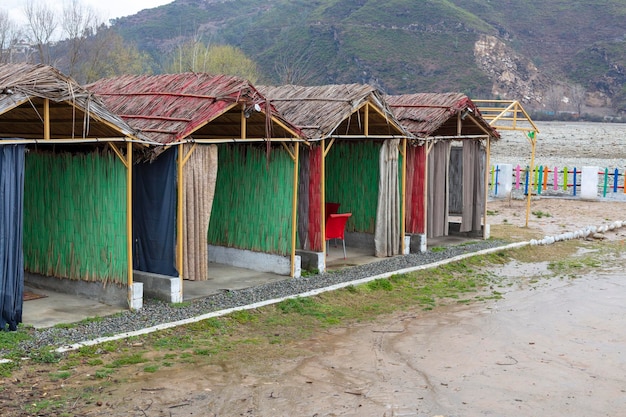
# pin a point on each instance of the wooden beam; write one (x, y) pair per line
(46, 119)
(403, 193)
(179, 214)
(119, 154)
(366, 122)
(294, 208)
(129, 219)
(323, 197)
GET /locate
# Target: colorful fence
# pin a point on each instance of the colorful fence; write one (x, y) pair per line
(557, 180)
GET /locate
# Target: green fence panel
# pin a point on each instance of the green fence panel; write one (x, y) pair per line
(352, 174)
(253, 199)
(75, 216)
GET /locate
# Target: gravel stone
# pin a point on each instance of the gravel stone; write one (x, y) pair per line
(156, 312)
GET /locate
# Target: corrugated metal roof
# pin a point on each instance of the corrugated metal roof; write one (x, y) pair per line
(176, 107)
(327, 110)
(436, 114)
(74, 111)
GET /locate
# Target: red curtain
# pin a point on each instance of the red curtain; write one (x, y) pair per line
(415, 180)
(315, 199)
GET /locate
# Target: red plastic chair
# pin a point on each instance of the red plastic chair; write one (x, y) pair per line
(335, 228)
(331, 208)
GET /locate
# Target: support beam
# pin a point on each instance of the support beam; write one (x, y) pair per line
(46, 119)
(323, 198)
(129, 219)
(179, 213)
(294, 208)
(366, 122)
(403, 193)
(486, 187)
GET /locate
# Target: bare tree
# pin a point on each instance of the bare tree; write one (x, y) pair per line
(78, 23)
(554, 98)
(291, 69)
(8, 37)
(41, 22)
(107, 55)
(578, 97)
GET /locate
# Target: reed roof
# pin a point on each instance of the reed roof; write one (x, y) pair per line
(335, 110)
(431, 115)
(172, 108)
(75, 114)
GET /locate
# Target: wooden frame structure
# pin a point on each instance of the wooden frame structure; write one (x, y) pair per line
(510, 115)
(434, 117)
(40, 106)
(329, 113)
(199, 109)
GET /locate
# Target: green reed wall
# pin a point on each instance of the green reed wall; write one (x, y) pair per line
(352, 173)
(75, 216)
(253, 199)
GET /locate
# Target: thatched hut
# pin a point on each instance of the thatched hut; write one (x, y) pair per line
(225, 173)
(353, 160)
(452, 152)
(65, 163)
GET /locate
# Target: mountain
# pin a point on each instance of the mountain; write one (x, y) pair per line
(542, 53)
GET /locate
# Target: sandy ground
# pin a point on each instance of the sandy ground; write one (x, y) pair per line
(549, 347)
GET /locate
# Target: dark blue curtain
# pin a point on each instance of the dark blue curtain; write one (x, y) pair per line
(11, 251)
(154, 215)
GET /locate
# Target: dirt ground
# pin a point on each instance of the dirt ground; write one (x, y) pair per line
(549, 347)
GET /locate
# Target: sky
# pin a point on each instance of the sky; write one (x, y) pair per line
(107, 9)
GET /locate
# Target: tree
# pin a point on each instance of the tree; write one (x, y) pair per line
(9, 36)
(78, 23)
(41, 22)
(214, 59)
(107, 55)
(554, 98)
(291, 69)
(578, 97)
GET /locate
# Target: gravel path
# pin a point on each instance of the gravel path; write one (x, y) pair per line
(155, 312)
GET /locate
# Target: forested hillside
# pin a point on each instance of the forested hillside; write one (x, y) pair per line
(538, 51)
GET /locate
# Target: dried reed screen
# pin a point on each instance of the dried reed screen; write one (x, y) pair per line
(352, 173)
(200, 174)
(75, 216)
(253, 199)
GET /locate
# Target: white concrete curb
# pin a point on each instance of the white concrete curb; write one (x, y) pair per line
(164, 326)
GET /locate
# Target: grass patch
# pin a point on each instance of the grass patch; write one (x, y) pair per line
(256, 337)
(540, 214)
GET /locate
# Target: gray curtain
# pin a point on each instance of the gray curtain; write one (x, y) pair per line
(387, 233)
(11, 235)
(437, 212)
(200, 175)
(473, 185)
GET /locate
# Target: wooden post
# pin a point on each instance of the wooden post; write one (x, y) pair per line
(403, 193)
(129, 219)
(366, 122)
(487, 162)
(294, 209)
(46, 119)
(533, 142)
(323, 199)
(179, 214)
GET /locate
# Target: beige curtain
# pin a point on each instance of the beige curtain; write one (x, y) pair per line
(387, 233)
(438, 164)
(473, 185)
(199, 176)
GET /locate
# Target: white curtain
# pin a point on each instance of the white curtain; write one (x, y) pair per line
(387, 233)
(437, 212)
(200, 174)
